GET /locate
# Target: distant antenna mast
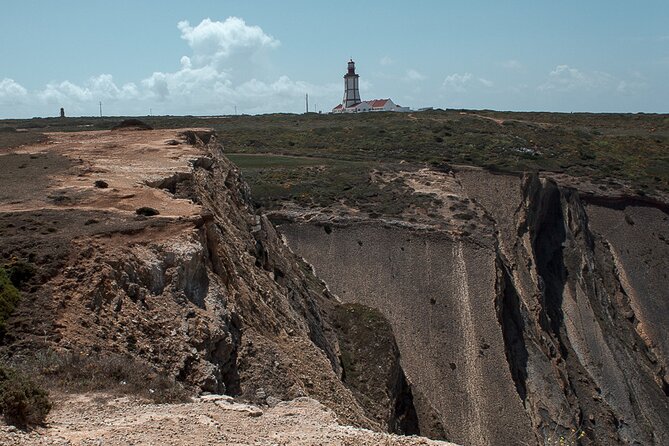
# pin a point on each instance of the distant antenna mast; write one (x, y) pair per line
(235, 110)
(101, 109)
(306, 98)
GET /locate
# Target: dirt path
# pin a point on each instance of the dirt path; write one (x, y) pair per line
(98, 419)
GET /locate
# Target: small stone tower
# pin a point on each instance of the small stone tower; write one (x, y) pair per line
(351, 90)
(62, 112)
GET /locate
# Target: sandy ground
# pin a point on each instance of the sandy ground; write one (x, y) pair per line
(62, 172)
(103, 420)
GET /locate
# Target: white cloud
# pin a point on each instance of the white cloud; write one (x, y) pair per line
(386, 60)
(64, 91)
(414, 76)
(457, 82)
(11, 92)
(214, 42)
(183, 82)
(633, 85)
(100, 87)
(512, 64)
(565, 78)
(227, 67)
(486, 82)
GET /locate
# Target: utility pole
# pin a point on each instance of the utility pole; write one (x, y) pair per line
(306, 98)
(101, 109)
(235, 110)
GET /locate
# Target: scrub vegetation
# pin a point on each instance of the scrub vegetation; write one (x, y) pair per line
(319, 159)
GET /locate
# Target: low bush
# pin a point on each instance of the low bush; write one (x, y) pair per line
(109, 372)
(23, 403)
(147, 211)
(9, 296)
(19, 271)
(132, 124)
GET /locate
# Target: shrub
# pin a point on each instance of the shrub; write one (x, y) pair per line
(132, 124)
(19, 271)
(9, 296)
(464, 216)
(22, 402)
(109, 372)
(147, 211)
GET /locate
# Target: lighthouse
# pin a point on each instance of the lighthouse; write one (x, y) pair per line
(351, 90)
(352, 102)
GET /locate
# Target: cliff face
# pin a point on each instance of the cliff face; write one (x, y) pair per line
(205, 291)
(515, 313)
(587, 335)
(545, 318)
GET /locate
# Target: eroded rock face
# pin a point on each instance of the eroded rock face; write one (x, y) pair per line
(549, 323)
(438, 294)
(205, 291)
(517, 314)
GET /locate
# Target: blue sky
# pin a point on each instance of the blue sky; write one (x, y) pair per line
(208, 57)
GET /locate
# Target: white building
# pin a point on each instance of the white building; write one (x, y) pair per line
(352, 103)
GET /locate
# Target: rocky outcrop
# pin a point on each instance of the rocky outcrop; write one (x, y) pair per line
(206, 291)
(546, 325)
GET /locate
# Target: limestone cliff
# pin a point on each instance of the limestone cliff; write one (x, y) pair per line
(544, 317)
(205, 291)
(520, 311)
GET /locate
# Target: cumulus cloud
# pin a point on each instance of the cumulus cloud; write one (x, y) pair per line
(226, 68)
(213, 42)
(185, 81)
(457, 82)
(462, 83)
(11, 91)
(100, 87)
(414, 76)
(565, 78)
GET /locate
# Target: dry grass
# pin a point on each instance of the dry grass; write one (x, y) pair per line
(109, 372)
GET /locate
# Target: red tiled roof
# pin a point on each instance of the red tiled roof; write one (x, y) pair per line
(338, 107)
(377, 103)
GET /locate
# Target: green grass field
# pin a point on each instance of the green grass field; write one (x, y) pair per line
(318, 160)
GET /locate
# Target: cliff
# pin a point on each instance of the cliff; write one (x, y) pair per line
(145, 245)
(538, 316)
(520, 310)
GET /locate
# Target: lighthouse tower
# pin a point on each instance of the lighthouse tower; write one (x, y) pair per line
(351, 90)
